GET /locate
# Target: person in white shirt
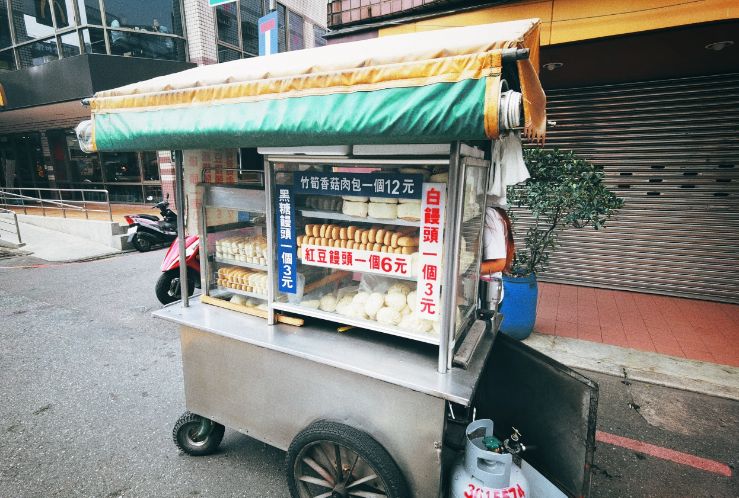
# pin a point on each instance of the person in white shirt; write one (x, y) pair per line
(498, 249)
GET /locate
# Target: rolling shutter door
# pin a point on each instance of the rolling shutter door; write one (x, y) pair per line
(670, 149)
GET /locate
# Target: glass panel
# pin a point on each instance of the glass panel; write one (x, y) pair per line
(90, 12)
(228, 28)
(151, 166)
(140, 44)
(281, 20)
(153, 15)
(251, 11)
(121, 167)
(125, 193)
(318, 36)
(94, 41)
(64, 12)
(37, 53)
(7, 61)
(31, 20)
(154, 191)
(227, 54)
(70, 44)
(5, 40)
(296, 31)
(83, 167)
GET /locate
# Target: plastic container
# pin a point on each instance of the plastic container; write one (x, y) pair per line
(519, 306)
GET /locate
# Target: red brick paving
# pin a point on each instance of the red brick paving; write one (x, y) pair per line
(686, 328)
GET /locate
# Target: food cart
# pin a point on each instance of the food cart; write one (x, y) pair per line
(339, 318)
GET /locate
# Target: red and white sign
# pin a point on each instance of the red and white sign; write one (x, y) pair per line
(474, 491)
(393, 265)
(431, 243)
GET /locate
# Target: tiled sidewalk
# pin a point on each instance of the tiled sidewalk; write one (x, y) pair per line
(697, 330)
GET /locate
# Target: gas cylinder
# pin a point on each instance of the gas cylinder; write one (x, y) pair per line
(487, 469)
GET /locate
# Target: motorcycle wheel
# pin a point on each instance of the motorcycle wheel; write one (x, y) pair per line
(167, 287)
(142, 242)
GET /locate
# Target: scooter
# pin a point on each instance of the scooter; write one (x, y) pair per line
(146, 231)
(168, 288)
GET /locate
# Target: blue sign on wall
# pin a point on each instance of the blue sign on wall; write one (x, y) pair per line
(268, 34)
(379, 185)
(287, 264)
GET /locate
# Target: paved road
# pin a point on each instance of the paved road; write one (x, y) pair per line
(91, 386)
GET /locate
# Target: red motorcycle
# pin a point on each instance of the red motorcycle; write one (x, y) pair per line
(168, 286)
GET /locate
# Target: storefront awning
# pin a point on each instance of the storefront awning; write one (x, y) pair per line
(428, 87)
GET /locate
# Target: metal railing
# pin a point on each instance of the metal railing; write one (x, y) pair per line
(56, 199)
(13, 223)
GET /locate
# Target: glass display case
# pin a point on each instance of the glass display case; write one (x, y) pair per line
(235, 259)
(362, 241)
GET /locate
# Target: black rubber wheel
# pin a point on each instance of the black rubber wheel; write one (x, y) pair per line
(332, 460)
(168, 288)
(143, 242)
(196, 435)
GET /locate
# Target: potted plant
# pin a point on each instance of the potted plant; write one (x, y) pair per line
(563, 192)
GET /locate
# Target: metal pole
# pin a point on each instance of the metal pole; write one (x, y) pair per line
(84, 205)
(270, 225)
(451, 258)
(180, 197)
(110, 210)
(17, 228)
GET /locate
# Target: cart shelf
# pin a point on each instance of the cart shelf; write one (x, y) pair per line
(242, 293)
(356, 219)
(244, 264)
(356, 322)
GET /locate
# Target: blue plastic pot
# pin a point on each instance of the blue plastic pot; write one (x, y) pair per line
(519, 306)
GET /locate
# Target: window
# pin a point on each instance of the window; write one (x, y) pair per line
(7, 61)
(226, 54)
(90, 12)
(31, 20)
(251, 11)
(5, 40)
(295, 28)
(150, 164)
(156, 16)
(37, 53)
(70, 44)
(121, 167)
(63, 11)
(318, 36)
(281, 19)
(228, 27)
(94, 41)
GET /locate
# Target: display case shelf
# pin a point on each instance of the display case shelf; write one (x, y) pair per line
(241, 292)
(355, 322)
(357, 219)
(243, 264)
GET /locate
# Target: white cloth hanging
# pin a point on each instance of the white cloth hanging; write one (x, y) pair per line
(508, 167)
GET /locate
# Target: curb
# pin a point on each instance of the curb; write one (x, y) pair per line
(653, 368)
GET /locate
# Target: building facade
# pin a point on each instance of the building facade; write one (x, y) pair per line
(648, 90)
(53, 53)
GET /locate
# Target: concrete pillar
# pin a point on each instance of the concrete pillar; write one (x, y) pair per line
(201, 32)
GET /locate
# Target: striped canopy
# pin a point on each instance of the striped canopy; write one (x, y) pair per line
(428, 87)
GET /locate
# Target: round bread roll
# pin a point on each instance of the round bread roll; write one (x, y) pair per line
(360, 298)
(342, 233)
(411, 300)
(377, 247)
(310, 303)
(300, 240)
(395, 300)
(380, 235)
(394, 239)
(309, 229)
(408, 250)
(373, 304)
(407, 241)
(350, 232)
(371, 235)
(316, 230)
(328, 303)
(322, 231)
(383, 249)
(335, 233)
(388, 316)
(365, 236)
(387, 238)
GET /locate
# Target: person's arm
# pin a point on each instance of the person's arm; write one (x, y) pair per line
(492, 266)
